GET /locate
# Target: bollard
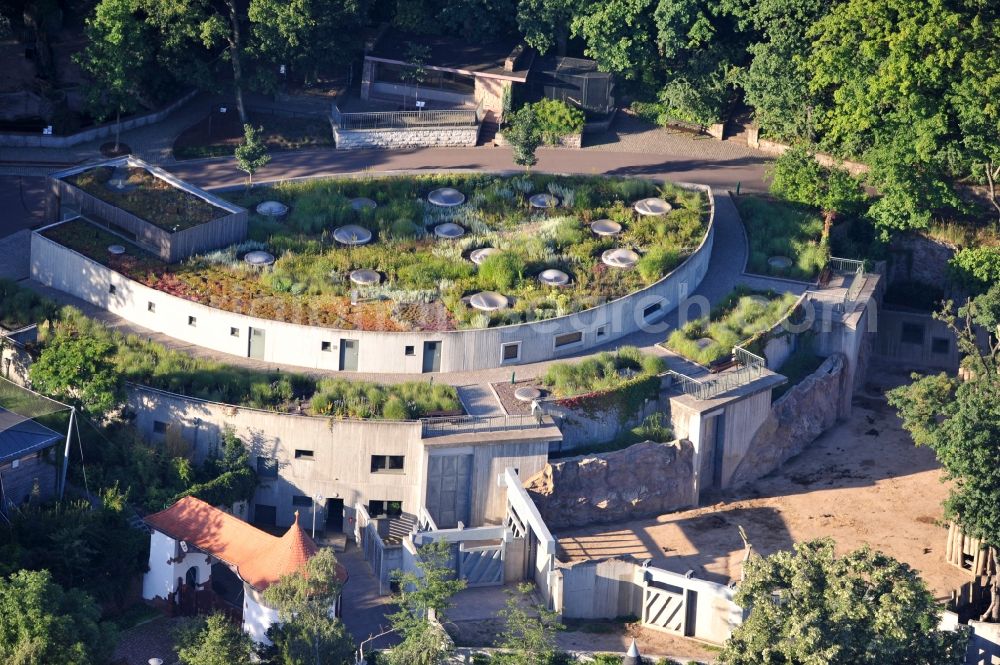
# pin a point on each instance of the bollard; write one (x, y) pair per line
(738, 184)
(512, 378)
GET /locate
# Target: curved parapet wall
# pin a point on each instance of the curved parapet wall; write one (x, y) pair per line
(363, 350)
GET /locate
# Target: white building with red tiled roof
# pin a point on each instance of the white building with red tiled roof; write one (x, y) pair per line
(191, 536)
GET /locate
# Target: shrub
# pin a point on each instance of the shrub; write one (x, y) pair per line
(557, 119)
(400, 401)
(20, 306)
(657, 262)
(605, 371)
(976, 268)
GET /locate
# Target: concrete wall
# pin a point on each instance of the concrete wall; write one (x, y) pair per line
(16, 252)
(414, 137)
(795, 420)
(590, 425)
(300, 345)
(19, 140)
(936, 350)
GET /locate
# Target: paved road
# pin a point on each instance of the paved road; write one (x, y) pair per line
(707, 168)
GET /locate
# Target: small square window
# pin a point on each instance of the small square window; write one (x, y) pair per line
(193, 321)
(652, 310)
(940, 345)
(151, 307)
(326, 346)
(387, 463)
(602, 331)
(234, 332)
(912, 333)
(112, 289)
(267, 467)
(409, 350)
(510, 351)
(302, 501)
(303, 454)
(159, 427)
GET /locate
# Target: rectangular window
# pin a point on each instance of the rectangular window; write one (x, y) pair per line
(510, 351)
(193, 321)
(234, 332)
(303, 454)
(111, 289)
(267, 467)
(940, 345)
(151, 307)
(912, 333)
(387, 463)
(302, 501)
(385, 508)
(326, 346)
(409, 350)
(652, 310)
(159, 427)
(602, 331)
(568, 339)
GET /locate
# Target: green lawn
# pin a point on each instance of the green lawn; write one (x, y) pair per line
(780, 228)
(735, 320)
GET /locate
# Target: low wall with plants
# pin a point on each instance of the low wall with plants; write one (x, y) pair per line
(641, 480)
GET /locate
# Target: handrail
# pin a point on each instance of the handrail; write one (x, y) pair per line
(370, 120)
(751, 368)
(442, 426)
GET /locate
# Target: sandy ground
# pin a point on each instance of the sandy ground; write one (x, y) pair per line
(862, 482)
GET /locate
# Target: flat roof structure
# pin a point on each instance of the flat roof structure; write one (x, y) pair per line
(449, 54)
(20, 436)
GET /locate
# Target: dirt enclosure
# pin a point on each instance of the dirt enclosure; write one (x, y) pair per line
(862, 482)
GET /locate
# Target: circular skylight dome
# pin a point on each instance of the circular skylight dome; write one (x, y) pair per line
(652, 206)
(620, 258)
(446, 197)
(352, 235)
(272, 208)
(488, 301)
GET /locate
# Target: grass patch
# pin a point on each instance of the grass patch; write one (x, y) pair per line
(605, 371)
(780, 228)
(154, 200)
(739, 317)
(426, 282)
(20, 307)
(220, 136)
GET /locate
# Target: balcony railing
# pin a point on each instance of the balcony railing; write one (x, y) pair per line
(475, 424)
(372, 120)
(750, 367)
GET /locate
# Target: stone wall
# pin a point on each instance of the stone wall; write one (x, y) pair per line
(641, 480)
(918, 258)
(796, 419)
(16, 252)
(450, 137)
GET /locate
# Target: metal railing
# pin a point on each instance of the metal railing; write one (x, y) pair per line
(371, 120)
(850, 266)
(846, 265)
(750, 367)
(473, 424)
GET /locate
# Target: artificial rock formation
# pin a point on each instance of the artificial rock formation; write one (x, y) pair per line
(796, 419)
(641, 480)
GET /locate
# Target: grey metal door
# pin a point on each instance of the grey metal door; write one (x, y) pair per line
(432, 356)
(256, 343)
(349, 355)
(449, 483)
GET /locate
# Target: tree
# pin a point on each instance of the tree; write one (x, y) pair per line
(615, 38)
(117, 56)
(523, 133)
(545, 24)
(814, 608)
(798, 177)
(251, 154)
(40, 623)
(214, 640)
(306, 36)
(304, 601)
(529, 636)
(960, 422)
(79, 369)
(415, 71)
(423, 593)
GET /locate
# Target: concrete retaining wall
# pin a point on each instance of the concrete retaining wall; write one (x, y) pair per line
(293, 344)
(101, 131)
(583, 427)
(423, 137)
